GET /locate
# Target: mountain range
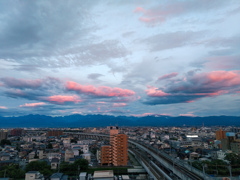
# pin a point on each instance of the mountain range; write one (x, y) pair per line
(78, 120)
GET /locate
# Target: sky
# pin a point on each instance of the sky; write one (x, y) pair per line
(120, 57)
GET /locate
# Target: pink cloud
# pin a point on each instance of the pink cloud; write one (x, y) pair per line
(154, 92)
(229, 78)
(188, 114)
(62, 111)
(119, 104)
(61, 99)
(196, 86)
(139, 9)
(150, 114)
(3, 107)
(77, 112)
(33, 104)
(168, 76)
(190, 101)
(103, 91)
(101, 102)
(158, 14)
(151, 20)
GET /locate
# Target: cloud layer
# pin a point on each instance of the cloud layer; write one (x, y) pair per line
(102, 91)
(119, 57)
(191, 88)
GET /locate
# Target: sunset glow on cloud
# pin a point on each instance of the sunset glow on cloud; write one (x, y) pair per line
(3, 107)
(33, 104)
(103, 91)
(192, 88)
(119, 104)
(60, 99)
(153, 91)
(132, 58)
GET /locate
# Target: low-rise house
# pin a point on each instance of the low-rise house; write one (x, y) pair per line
(87, 156)
(68, 154)
(71, 160)
(83, 176)
(31, 155)
(194, 155)
(52, 155)
(218, 154)
(4, 156)
(54, 163)
(34, 175)
(59, 176)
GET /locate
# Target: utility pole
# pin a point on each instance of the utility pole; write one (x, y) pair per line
(230, 171)
(203, 171)
(5, 173)
(78, 170)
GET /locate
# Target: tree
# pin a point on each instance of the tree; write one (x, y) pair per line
(74, 140)
(80, 151)
(12, 171)
(40, 166)
(233, 158)
(72, 169)
(5, 142)
(82, 163)
(49, 146)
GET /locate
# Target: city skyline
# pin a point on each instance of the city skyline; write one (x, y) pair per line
(137, 58)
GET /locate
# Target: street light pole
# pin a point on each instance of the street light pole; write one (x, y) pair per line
(203, 172)
(5, 173)
(173, 167)
(230, 171)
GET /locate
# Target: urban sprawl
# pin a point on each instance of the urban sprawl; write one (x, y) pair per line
(120, 153)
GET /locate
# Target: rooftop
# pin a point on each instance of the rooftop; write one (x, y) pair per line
(101, 174)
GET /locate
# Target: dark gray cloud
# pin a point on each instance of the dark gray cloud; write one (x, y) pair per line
(195, 86)
(172, 40)
(33, 28)
(168, 76)
(53, 34)
(172, 99)
(47, 83)
(25, 94)
(94, 76)
(21, 83)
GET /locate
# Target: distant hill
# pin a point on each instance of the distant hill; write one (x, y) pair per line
(105, 120)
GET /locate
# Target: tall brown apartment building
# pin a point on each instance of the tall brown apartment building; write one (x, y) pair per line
(56, 133)
(113, 132)
(119, 149)
(17, 132)
(220, 134)
(106, 155)
(115, 153)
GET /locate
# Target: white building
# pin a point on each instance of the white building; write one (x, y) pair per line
(218, 154)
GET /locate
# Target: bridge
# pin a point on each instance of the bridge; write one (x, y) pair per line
(157, 162)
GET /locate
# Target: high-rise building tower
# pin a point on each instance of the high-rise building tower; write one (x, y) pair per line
(113, 132)
(220, 134)
(115, 153)
(119, 150)
(56, 133)
(106, 155)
